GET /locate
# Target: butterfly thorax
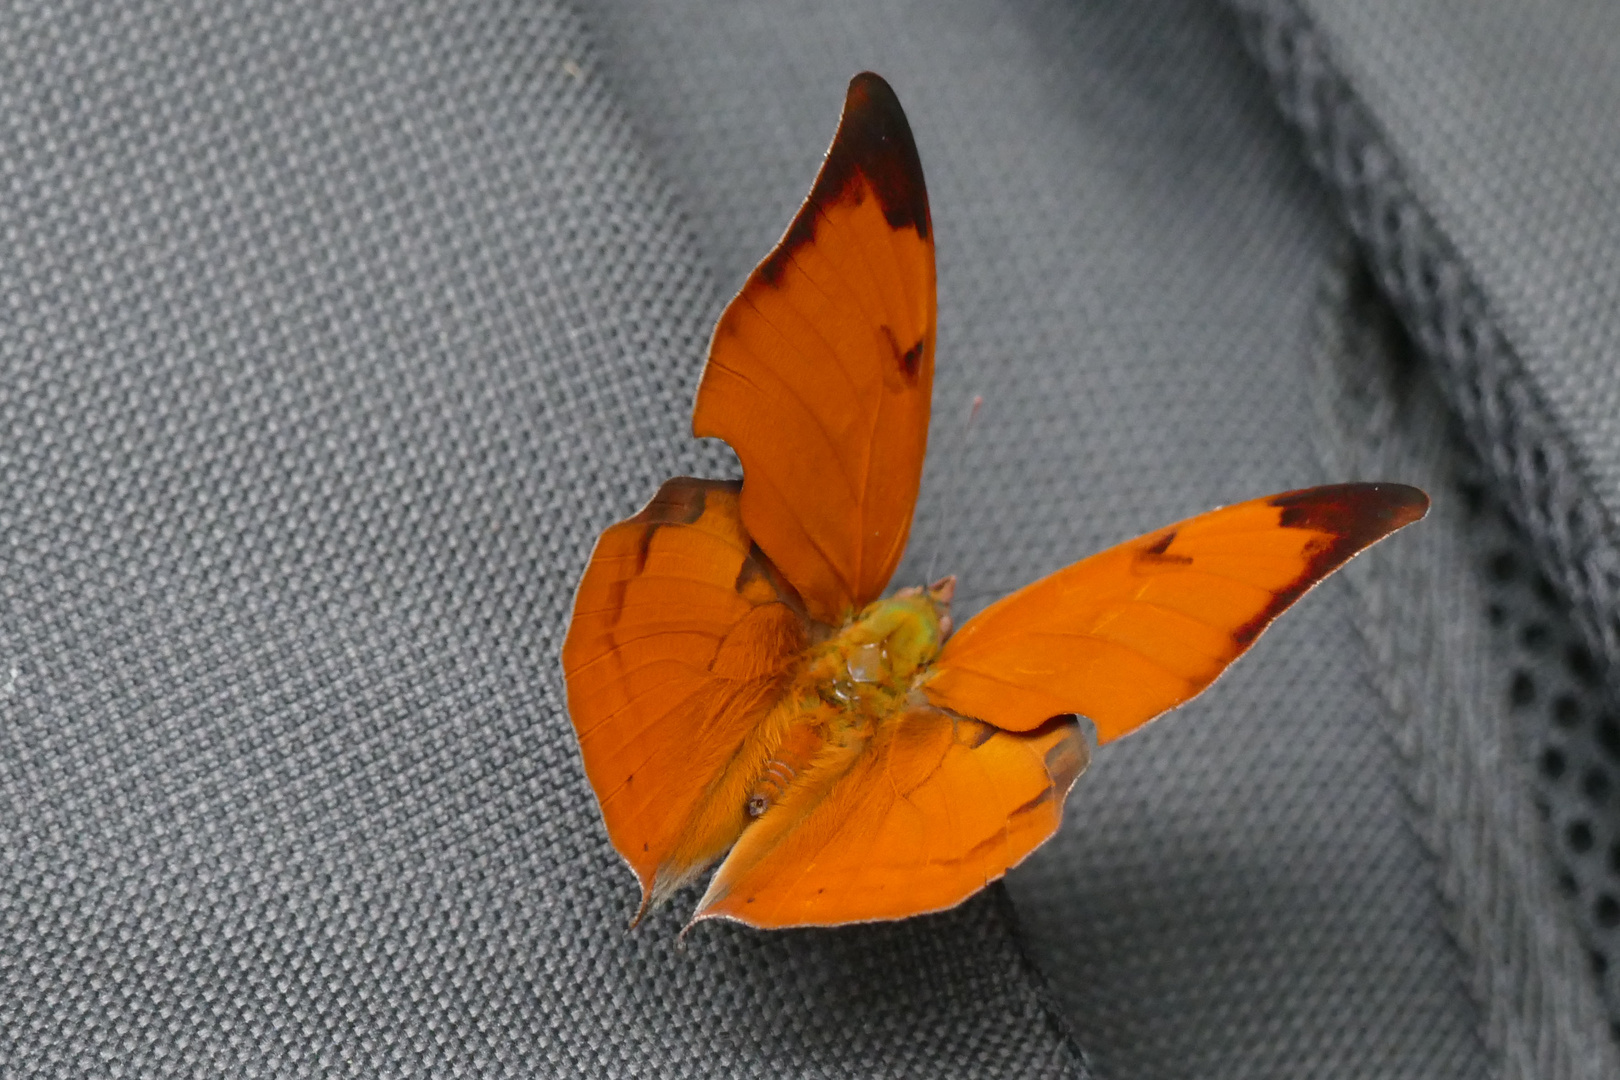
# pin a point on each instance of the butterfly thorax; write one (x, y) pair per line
(882, 649)
(862, 676)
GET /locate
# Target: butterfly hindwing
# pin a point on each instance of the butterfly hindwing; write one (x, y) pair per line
(925, 813)
(821, 370)
(682, 638)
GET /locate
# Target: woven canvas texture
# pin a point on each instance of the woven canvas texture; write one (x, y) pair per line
(332, 336)
(333, 333)
(1131, 255)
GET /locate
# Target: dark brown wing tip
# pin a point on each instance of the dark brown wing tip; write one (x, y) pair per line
(873, 142)
(874, 139)
(1354, 514)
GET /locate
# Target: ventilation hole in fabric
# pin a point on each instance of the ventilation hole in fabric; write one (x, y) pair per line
(1582, 666)
(1538, 462)
(1608, 738)
(1549, 595)
(1566, 712)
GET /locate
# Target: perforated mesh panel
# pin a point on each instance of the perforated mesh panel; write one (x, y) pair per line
(1555, 564)
(1425, 612)
(1569, 721)
(1543, 456)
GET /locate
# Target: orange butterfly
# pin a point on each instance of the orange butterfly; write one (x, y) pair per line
(740, 691)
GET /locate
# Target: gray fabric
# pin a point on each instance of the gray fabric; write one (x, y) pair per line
(1487, 214)
(1504, 120)
(332, 336)
(1443, 669)
(1568, 726)
(1130, 257)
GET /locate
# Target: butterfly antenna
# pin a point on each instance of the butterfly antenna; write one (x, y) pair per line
(952, 484)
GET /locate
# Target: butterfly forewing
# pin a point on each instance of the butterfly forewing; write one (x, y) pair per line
(1130, 632)
(821, 370)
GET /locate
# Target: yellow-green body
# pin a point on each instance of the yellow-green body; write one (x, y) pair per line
(863, 675)
(866, 674)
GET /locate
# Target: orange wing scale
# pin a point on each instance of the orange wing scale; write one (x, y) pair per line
(821, 370)
(726, 677)
(682, 639)
(1130, 632)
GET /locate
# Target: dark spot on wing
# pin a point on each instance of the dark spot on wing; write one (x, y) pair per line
(617, 591)
(1349, 518)
(911, 360)
(680, 501)
(1162, 544)
(908, 362)
(753, 581)
(760, 582)
(873, 144)
(1158, 552)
